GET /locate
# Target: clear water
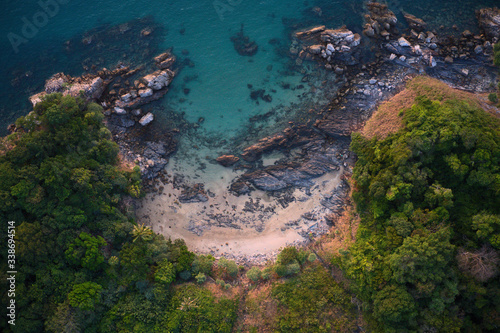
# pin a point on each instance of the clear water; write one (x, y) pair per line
(218, 82)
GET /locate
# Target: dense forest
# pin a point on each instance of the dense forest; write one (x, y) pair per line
(425, 256)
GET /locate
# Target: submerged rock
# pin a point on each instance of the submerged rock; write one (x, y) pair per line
(195, 193)
(227, 160)
(243, 45)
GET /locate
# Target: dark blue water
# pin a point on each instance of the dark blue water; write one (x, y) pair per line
(35, 45)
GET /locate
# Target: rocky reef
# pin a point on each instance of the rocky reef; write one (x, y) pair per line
(121, 92)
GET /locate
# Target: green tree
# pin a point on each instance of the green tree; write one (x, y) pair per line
(85, 296)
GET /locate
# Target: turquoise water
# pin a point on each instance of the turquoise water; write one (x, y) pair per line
(216, 88)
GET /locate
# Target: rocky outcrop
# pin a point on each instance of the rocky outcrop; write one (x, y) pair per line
(165, 60)
(91, 86)
(333, 46)
(415, 23)
(489, 21)
(195, 193)
(288, 138)
(380, 22)
(159, 80)
(227, 160)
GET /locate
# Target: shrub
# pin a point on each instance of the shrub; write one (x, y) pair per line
(254, 274)
(201, 278)
(228, 268)
(493, 98)
(312, 257)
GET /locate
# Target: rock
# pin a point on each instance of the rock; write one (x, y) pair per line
(146, 119)
(329, 47)
(92, 88)
(146, 92)
(120, 111)
(315, 49)
(126, 98)
(159, 79)
(37, 98)
(417, 50)
(264, 181)
(403, 42)
(196, 193)
(227, 160)
(415, 23)
(478, 49)
(432, 62)
(433, 46)
(57, 83)
(311, 33)
(372, 81)
(489, 21)
(448, 60)
(243, 45)
(136, 112)
(339, 70)
(392, 56)
(467, 34)
(239, 188)
(164, 60)
(369, 31)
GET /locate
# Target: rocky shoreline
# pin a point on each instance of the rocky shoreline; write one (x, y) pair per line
(312, 149)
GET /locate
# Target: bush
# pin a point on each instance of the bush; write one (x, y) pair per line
(312, 257)
(493, 98)
(287, 270)
(203, 264)
(228, 268)
(266, 273)
(201, 278)
(254, 274)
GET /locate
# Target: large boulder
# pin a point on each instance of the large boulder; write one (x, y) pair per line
(227, 160)
(159, 79)
(146, 119)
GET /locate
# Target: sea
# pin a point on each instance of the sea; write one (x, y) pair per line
(213, 87)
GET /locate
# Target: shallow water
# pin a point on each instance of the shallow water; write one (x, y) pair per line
(219, 92)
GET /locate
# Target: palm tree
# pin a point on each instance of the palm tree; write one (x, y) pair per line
(143, 233)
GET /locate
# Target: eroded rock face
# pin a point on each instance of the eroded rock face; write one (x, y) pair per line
(489, 21)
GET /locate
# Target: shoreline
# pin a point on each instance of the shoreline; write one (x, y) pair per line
(268, 201)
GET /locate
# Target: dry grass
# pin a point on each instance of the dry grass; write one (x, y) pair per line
(260, 310)
(386, 119)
